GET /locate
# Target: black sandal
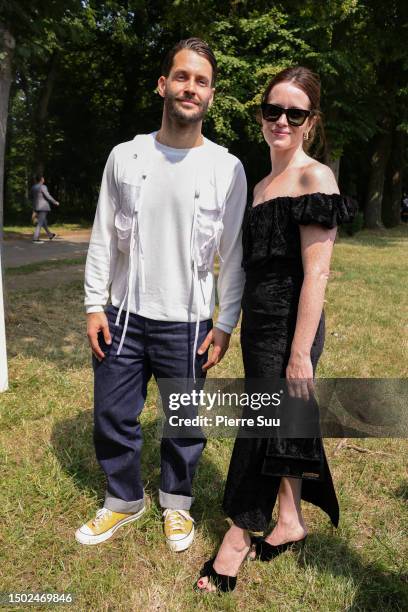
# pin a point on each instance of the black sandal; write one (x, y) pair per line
(265, 551)
(222, 582)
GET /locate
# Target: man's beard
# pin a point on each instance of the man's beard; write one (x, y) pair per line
(179, 114)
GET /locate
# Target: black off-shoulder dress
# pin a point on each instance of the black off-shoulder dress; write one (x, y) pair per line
(274, 275)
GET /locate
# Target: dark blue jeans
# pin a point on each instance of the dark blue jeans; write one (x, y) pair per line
(162, 349)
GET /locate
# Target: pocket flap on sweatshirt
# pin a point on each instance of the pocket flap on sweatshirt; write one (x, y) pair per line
(129, 197)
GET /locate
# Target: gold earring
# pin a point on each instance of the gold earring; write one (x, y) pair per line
(306, 136)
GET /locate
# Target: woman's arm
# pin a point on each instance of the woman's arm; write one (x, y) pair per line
(316, 247)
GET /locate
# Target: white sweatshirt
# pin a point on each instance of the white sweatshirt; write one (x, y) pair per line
(178, 193)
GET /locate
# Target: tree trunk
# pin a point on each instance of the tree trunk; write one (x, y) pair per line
(378, 163)
(327, 156)
(7, 45)
(42, 114)
(391, 207)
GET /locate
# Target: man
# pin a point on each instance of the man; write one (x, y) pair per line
(41, 198)
(168, 202)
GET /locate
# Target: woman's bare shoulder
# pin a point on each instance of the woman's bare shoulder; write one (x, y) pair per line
(261, 186)
(318, 178)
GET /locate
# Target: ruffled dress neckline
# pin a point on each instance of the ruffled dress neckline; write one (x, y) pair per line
(317, 194)
(271, 228)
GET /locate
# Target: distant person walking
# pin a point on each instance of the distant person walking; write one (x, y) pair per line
(41, 199)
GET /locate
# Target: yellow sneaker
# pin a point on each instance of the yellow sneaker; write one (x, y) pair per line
(178, 529)
(104, 525)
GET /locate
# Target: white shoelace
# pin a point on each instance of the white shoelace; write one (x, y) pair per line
(175, 518)
(100, 515)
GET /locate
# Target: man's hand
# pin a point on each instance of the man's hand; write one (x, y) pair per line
(220, 340)
(97, 322)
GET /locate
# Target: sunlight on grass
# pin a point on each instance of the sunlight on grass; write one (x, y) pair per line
(52, 483)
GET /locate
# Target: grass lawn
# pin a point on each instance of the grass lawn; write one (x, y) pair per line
(45, 265)
(52, 483)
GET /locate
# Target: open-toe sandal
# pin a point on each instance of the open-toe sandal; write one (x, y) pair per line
(265, 551)
(222, 582)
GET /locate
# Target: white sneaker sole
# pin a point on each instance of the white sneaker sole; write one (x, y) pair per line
(91, 540)
(180, 545)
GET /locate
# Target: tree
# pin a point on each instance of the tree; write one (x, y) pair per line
(7, 45)
(391, 208)
(86, 78)
(381, 148)
(387, 25)
(21, 15)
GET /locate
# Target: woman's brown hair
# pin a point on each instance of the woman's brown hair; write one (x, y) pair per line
(309, 82)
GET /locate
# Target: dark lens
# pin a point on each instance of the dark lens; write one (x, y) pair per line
(270, 112)
(296, 116)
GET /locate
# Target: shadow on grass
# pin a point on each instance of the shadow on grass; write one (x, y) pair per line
(49, 325)
(72, 442)
(402, 491)
(376, 588)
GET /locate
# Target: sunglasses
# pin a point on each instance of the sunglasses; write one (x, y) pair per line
(295, 116)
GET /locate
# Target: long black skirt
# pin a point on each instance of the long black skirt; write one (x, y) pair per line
(257, 465)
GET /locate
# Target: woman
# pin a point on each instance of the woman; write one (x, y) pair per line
(288, 237)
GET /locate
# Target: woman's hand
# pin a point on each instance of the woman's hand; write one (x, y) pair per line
(299, 374)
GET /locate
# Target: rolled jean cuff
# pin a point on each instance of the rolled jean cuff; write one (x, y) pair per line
(125, 507)
(175, 502)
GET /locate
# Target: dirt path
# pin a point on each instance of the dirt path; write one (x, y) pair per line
(19, 250)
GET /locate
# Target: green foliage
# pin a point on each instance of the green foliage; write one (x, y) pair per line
(100, 60)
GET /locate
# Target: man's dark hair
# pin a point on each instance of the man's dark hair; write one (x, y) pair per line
(38, 178)
(192, 44)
